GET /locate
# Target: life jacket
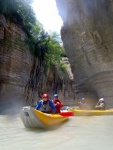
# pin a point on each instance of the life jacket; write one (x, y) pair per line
(103, 108)
(58, 106)
(45, 107)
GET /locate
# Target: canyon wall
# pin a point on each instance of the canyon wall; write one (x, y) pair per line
(22, 77)
(15, 63)
(87, 35)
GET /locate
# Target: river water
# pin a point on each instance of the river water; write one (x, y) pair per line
(79, 133)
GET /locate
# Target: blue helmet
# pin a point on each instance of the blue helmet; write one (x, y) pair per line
(55, 95)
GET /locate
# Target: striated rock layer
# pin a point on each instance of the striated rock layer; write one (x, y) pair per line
(23, 78)
(15, 63)
(87, 35)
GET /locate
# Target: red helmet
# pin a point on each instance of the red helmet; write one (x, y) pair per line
(45, 96)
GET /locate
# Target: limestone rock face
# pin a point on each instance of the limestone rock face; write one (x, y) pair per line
(87, 35)
(15, 62)
(22, 77)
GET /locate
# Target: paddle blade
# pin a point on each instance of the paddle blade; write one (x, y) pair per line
(67, 114)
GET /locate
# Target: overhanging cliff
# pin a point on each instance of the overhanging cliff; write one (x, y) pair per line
(87, 35)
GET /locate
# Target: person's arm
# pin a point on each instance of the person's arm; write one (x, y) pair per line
(39, 105)
(80, 103)
(52, 106)
(60, 104)
(98, 104)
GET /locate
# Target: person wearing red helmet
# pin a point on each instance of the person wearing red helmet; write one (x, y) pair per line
(46, 105)
(57, 103)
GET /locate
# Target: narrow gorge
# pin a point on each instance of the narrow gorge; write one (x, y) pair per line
(23, 78)
(87, 35)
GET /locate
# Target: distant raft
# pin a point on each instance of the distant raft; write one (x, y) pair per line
(33, 118)
(79, 112)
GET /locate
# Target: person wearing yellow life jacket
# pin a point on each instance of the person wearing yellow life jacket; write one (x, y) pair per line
(46, 105)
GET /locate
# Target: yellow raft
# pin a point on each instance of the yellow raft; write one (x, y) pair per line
(33, 118)
(91, 112)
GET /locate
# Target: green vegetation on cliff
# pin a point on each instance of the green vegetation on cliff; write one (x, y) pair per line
(19, 12)
(42, 45)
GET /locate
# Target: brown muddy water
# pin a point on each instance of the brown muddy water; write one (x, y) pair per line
(79, 133)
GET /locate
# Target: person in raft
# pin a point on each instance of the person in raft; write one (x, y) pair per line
(82, 104)
(57, 103)
(46, 105)
(101, 104)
